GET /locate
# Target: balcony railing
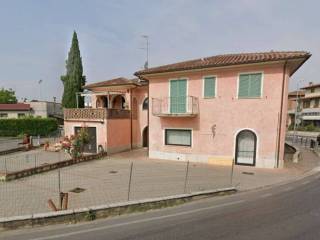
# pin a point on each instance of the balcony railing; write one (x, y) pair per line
(95, 114)
(185, 106)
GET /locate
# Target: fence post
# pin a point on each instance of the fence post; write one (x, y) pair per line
(231, 175)
(59, 189)
(130, 178)
(35, 160)
(186, 178)
(5, 165)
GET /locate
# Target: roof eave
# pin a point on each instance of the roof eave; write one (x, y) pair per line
(304, 60)
(140, 74)
(144, 75)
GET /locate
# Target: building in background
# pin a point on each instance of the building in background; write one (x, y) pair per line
(294, 107)
(15, 110)
(46, 109)
(41, 109)
(309, 112)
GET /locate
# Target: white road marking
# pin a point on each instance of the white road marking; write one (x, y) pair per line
(57, 236)
(288, 189)
(304, 183)
(266, 195)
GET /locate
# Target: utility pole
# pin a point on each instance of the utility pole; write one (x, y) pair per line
(296, 112)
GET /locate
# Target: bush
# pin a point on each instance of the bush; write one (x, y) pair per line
(310, 128)
(29, 125)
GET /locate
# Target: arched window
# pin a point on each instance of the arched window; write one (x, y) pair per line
(145, 104)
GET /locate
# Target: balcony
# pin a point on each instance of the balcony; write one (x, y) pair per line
(94, 114)
(311, 114)
(175, 106)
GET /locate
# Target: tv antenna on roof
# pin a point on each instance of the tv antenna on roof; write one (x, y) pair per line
(146, 37)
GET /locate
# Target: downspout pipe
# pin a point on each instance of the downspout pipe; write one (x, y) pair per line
(131, 136)
(281, 112)
(148, 118)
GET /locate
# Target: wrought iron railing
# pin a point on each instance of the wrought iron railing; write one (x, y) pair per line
(175, 106)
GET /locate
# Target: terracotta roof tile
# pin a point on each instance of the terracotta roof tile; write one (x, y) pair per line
(15, 107)
(226, 60)
(113, 82)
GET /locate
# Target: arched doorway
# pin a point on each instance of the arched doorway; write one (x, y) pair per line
(118, 102)
(145, 137)
(246, 148)
(145, 104)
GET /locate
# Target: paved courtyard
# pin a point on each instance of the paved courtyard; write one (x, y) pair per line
(30, 159)
(107, 181)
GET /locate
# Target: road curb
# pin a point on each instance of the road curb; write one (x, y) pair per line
(104, 211)
(306, 174)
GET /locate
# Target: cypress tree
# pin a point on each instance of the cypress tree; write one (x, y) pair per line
(73, 80)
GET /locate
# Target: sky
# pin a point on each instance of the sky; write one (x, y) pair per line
(36, 36)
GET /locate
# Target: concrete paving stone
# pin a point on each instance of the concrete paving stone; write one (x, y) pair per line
(106, 181)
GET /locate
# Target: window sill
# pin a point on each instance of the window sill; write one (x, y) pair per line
(249, 97)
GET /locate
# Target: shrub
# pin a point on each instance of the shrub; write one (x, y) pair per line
(310, 128)
(28, 125)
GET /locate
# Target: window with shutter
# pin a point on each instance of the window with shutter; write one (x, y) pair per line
(178, 96)
(180, 137)
(209, 88)
(250, 85)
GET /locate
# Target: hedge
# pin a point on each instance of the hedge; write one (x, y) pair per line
(32, 126)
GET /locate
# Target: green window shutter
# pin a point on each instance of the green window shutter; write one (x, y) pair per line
(250, 85)
(243, 91)
(173, 93)
(178, 96)
(209, 87)
(255, 85)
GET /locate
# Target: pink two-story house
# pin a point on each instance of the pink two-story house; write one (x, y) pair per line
(223, 107)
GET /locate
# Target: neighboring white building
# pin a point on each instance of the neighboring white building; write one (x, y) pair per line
(15, 110)
(34, 108)
(46, 109)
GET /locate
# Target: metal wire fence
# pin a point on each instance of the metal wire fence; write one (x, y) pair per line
(25, 160)
(303, 141)
(108, 181)
(9, 143)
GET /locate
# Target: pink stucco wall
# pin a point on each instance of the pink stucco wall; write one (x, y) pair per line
(140, 122)
(227, 112)
(118, 135)
(101, 129)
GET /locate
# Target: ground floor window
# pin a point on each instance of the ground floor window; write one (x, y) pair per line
(3, 115)
(181, 137)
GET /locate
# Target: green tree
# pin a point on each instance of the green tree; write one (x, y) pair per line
(7, 96)
(73, 81)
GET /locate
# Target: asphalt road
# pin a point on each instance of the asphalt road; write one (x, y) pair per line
(290, 211)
